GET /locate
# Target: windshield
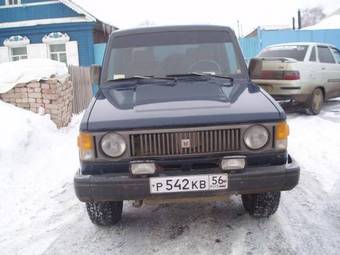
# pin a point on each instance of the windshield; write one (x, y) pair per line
(166, 53)
(296, 52)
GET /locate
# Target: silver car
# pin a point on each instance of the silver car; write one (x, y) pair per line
(308, 73)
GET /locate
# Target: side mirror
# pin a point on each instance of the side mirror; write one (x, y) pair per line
(95, 72)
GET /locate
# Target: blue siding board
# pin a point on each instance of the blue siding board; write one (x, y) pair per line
(34, 1)
(58, 10)
(80, 32)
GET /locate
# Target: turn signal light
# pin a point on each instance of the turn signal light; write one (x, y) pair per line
(281, 131)
(86, 146)
(281, 135)
(85, 141)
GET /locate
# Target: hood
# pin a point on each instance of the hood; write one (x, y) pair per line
(183, 104)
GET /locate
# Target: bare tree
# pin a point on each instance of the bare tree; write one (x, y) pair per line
(312, 16)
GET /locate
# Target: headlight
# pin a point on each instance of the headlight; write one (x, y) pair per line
(113, 145)
(256, 137)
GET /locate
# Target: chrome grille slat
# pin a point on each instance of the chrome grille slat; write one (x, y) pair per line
(170, 142)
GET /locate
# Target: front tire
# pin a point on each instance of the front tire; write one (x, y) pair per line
(105, 213)
(261, 205)
(315, 102)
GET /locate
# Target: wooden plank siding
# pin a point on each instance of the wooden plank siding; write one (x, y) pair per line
(82, 87)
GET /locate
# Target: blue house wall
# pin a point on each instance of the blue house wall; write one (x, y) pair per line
(50, 11)
(80, 32)
(34, 1)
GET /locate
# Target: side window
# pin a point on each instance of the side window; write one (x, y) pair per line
(325, 55)
(312, 57)
(336, 54)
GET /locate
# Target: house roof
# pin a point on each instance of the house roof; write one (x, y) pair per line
(330, 22)
(80, 10)
(268, 28)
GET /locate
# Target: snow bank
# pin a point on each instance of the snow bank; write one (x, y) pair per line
(37, 161)
(315, 143)
(332, 22)
(23, 71)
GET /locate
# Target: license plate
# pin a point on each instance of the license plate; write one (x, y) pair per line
(188, 183)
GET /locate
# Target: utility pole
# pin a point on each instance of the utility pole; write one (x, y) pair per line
(299, 19)
(238, 29)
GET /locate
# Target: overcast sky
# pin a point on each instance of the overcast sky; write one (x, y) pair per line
(251, 13)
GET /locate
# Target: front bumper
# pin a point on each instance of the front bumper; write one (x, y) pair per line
(118, 187)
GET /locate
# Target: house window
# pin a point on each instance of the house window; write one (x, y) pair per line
(13, 2)
(18, 53)
(56, 42)
(58, 52)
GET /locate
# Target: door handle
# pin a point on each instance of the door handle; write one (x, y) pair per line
(323, 68)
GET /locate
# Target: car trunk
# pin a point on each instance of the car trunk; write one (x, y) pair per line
(274, 72)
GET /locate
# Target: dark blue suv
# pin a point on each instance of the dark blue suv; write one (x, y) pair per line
(177, 117)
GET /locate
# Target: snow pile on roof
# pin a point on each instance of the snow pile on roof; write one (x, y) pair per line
(92, 10)
(23, 71)
(37, 161)
(331, 22)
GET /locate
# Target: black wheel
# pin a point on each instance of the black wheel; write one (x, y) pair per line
(105, 213)
(261, 205)
(315, 102)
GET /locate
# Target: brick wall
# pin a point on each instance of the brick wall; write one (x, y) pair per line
(53, 97)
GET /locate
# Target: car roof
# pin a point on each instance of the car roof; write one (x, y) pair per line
(301, 43)
(155, 29)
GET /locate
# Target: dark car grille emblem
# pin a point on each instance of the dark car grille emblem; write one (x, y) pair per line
(185, 143)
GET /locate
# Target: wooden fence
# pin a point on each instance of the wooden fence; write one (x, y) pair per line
(82, 87)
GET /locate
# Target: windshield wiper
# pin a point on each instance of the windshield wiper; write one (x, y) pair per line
(133, 81)
(140, 77)
(186, 75)
(194, 74)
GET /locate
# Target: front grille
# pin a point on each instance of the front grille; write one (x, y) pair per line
(185, 143)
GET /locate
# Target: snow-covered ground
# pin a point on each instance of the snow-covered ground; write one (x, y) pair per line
(39, 213)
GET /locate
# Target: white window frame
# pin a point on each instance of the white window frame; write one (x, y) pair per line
(62, 39)
(57, 52)
(10, 2)
(21, 56)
